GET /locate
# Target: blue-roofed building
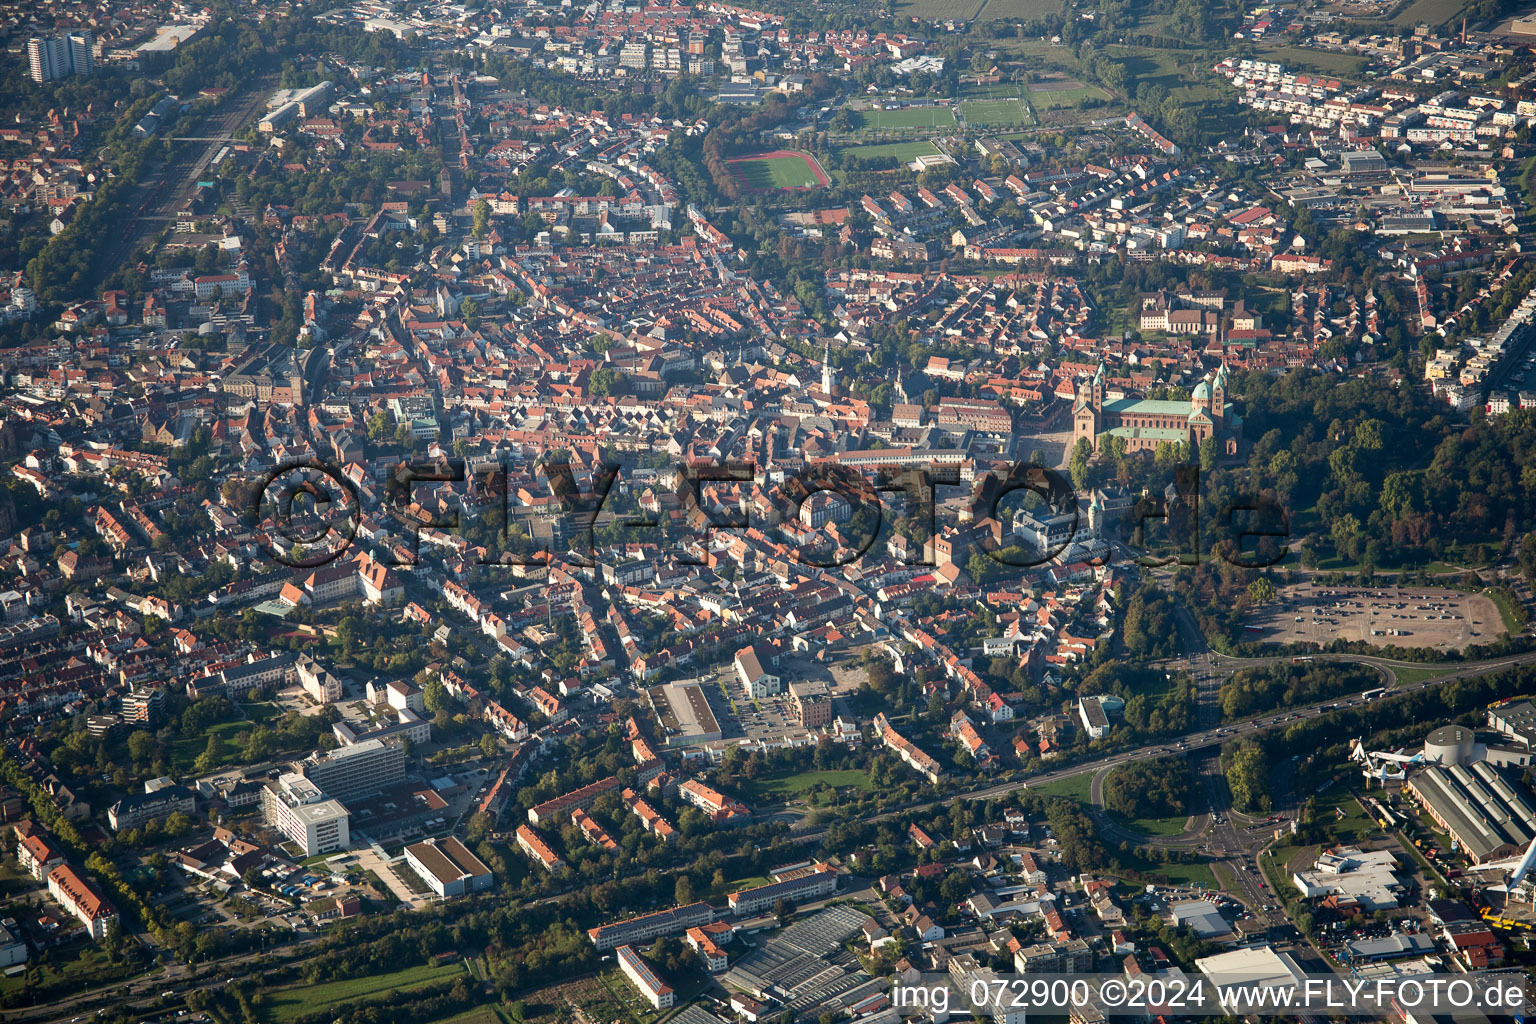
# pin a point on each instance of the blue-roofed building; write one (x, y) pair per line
(1145, 423)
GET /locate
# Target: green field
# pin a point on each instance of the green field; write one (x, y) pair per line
(479, 1015)
(1431, 12)
(1151, 826)
(961, 9)
(903, 151)
(1355, 820)
(1302, 58)
(968, 10)
(774, 172)
(907, 117)
(1161, 67)
(285, 1004)
(185, 751)
(1409, 676)
(1507, 612)
(1002, 113)
(802, 782)
(1023, 10)
(1075, 787)
(1056, 99)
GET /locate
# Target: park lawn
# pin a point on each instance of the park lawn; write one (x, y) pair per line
(1055, 99)
(1342, 64)
(902, 151)
(1077, 787)
(262, 713)
(285, 1004)
(802, 782)
(907, 117)
(775, 172)
(995, 113)
(184, 752)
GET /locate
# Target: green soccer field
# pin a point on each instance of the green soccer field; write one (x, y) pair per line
(770, 172)
(903, 151)
(911, 117)
(1056, 99)
(998, 113)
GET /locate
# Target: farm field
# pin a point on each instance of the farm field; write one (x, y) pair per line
(1000, 113)
(781, 169)
(908, 117)
(286, 1004)
(903, 151)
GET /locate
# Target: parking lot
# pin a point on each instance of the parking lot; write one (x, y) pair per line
(1402, 616)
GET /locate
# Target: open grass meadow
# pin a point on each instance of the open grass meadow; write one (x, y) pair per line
(1322, 61)
(787, 787)
(905, 117)
(286, 1004)
(1075, 787)
(1147, 64)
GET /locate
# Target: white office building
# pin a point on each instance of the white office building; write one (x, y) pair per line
(298, 809)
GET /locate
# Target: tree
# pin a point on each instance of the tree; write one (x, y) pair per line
(1248, 778)
(482, 215)
(1261, 590)
(682, 892)
(1078, 465)
(1210, 454)
(379, 426)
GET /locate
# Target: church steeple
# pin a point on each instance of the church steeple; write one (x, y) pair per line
(826, 369)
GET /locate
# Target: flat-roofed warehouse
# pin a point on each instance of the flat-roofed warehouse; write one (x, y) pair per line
(448, 867)
(1489, 817)
(685, 714)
